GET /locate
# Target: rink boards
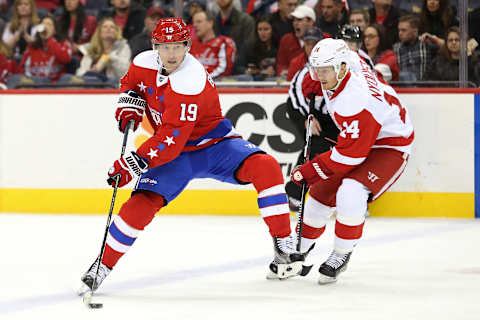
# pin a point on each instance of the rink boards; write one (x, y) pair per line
(56, 149)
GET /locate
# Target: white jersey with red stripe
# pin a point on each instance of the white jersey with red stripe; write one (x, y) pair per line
(369, 115)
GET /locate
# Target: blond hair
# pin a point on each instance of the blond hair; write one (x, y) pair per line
(15, 25)
(5, 50)
(95, 50)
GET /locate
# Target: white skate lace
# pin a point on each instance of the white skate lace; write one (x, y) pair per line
(336, 259)
(286, 244)
(103, 271)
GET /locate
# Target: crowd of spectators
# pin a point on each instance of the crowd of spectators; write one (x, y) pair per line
(93, 41)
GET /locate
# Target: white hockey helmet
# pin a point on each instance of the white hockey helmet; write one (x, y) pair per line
(329, 53)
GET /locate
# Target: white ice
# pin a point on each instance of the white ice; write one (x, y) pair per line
(214, 267)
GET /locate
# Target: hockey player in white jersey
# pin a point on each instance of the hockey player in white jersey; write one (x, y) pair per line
(371, 153)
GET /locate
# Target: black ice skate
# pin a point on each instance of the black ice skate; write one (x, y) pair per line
(286, 262)
(88, 279)
(335, 264)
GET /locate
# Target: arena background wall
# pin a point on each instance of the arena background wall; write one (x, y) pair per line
(56, 147)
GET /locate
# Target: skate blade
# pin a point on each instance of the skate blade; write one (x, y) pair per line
(323, 279)
(87, 301)
(83, 289)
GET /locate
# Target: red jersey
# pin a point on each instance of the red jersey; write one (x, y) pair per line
(216, 55)
(47, 62)
(183, 107)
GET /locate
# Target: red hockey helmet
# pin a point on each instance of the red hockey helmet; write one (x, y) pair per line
(170, 30)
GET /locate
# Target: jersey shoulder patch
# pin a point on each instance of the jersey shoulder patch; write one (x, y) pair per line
(146, 59)
(190, 78)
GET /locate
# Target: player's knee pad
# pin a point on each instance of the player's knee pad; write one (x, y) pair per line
(352, 197)
(316, 214)
(262, 170)
(140, 209)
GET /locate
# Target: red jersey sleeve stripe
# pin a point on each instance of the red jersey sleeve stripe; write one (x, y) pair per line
(395, 141)
(340, 158)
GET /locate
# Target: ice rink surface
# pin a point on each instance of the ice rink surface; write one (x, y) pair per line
(214, 267)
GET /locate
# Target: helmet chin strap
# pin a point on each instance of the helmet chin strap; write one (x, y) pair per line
(339, 80)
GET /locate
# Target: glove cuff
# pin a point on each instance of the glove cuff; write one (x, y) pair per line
(135, 164)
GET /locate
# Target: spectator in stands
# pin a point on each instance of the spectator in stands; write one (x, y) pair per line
(413, 55)
(78, 27)
(239, 26)
(282, 20)
(18, 32)
(45, 58)
(474, 24)
(192, 7)
(291, 44)
(359, 18)
(263, 54)
(384, 13)
(47, 5)
(107, 56)
(384, 60)
(310, 38)
(75, 24)
(445, 66)
(142, 41)
(436, 17)
(216, 53)
(128, 15)
(333, 16)
(8, 65)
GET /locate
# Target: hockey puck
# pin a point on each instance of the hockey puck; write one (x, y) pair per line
(95, 305)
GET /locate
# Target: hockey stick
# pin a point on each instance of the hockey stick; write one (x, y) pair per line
(87, 297)
(306, 156)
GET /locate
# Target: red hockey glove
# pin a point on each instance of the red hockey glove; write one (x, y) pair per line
(127, 167)
(310, 86)
(310, 173)
(131, 106)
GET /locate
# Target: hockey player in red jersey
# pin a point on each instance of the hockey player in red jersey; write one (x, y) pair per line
(192, 140)
(372, 150)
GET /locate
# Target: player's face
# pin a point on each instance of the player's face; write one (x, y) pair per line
(171, 54)
(358, 20)
(327, 77)
(433, 5)
(264, 30)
